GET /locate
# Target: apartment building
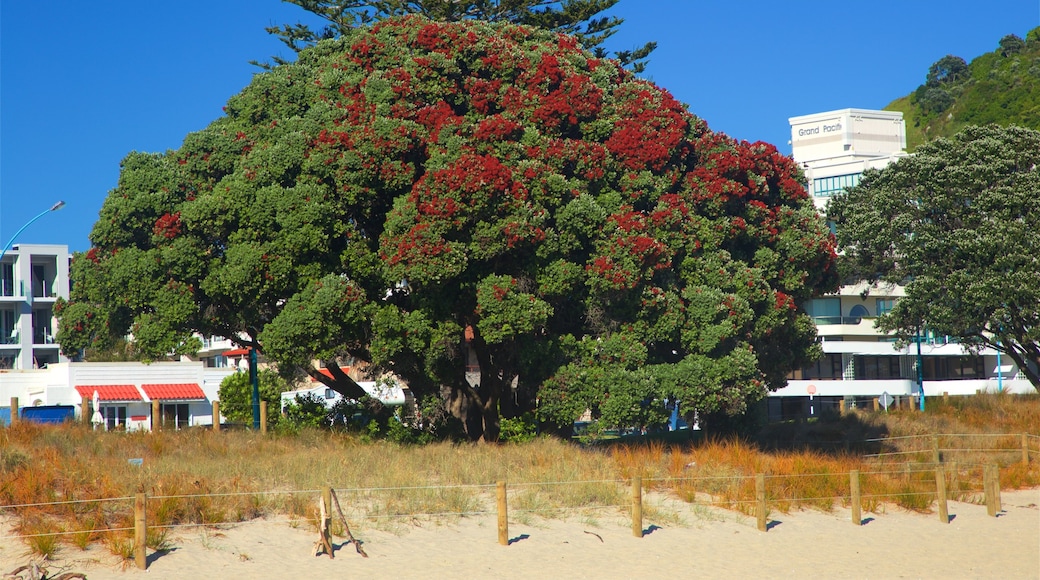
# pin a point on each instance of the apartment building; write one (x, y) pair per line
(32, 278)
(860, 363)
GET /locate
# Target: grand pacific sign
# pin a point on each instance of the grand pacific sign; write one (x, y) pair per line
(825, 128)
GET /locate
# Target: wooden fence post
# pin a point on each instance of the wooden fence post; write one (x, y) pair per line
(936, 458)
(987, 490)
(1025, 449)
(940, 488)
(857, 505)
(14, 410)
(140, 533)
(877, 405)
(760, 500)
(503, 514)
(996, 488)
(263, 417)
(156, 416)
(86, 410)
(637, 506)
(216, 416)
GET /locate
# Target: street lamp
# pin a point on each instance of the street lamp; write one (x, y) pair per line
(10, 243)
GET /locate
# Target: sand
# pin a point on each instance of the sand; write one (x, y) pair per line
(695, 542)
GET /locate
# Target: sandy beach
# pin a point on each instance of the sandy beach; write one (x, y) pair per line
(695, 542)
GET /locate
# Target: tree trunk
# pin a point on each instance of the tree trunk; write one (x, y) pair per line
(339, 381)
(1023, 366)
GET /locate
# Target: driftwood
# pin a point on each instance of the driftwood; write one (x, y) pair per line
(324, 543)
(346, 528)
(34, 571)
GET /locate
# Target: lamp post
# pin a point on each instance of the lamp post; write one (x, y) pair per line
(10, 242)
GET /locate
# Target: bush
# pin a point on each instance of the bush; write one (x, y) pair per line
(519, 429)
(236, 396)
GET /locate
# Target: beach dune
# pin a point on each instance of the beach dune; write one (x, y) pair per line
(697, 543)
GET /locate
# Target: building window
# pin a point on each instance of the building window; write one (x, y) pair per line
(829, 186)
(857, 314)
(7, 279)
(115, 417)
(824, 310)
(42, 333)
(828, 367)
(878, 367)
(174, 415)
(884, 305)
(937, 368)
(8, 330)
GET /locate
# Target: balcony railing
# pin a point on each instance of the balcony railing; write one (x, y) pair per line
(9, 338)
(9, 288)
(829, 320)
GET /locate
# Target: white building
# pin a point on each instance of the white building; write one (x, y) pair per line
(32, 278)
(126, 391)
(834, 148)
(860, 363)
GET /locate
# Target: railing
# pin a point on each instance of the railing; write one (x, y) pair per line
(10, 289)
(830, 320)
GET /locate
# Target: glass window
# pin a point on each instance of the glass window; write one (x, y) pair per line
(7, 279)
(878, 367)
(115, 417)
(824, 310)
(175, 415)
(828, 186)
(885, 305)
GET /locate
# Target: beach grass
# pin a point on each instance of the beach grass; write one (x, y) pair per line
(197, 476)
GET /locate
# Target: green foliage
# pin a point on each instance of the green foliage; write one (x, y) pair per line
(423, 196)
(236, 396)
(997, 87)
(580, 18)
(520, 429)
(959, 224)
(307, 411)
(948, 70)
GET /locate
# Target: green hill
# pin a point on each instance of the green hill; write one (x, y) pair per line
(1000, 87)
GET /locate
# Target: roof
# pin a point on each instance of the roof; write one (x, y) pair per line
(236, 352)
(110, 392)
(180, 391)
(328, 373)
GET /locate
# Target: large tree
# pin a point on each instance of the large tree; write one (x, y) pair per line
(959, 224)
(415, 191)
(579, 18)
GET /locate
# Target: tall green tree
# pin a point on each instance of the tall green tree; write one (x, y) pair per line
(579, 18)
(959, 224)
(416, 191)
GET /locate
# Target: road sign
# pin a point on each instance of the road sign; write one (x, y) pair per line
(885, 399)
(811, 389)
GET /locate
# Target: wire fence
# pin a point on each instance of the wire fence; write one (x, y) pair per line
(916, 485)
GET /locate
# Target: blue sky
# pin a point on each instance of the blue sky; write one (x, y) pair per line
(84, 83)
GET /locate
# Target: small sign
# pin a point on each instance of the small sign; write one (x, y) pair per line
(811, 389)
(885, 399)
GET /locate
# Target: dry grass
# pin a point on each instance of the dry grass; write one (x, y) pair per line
(201, 477)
